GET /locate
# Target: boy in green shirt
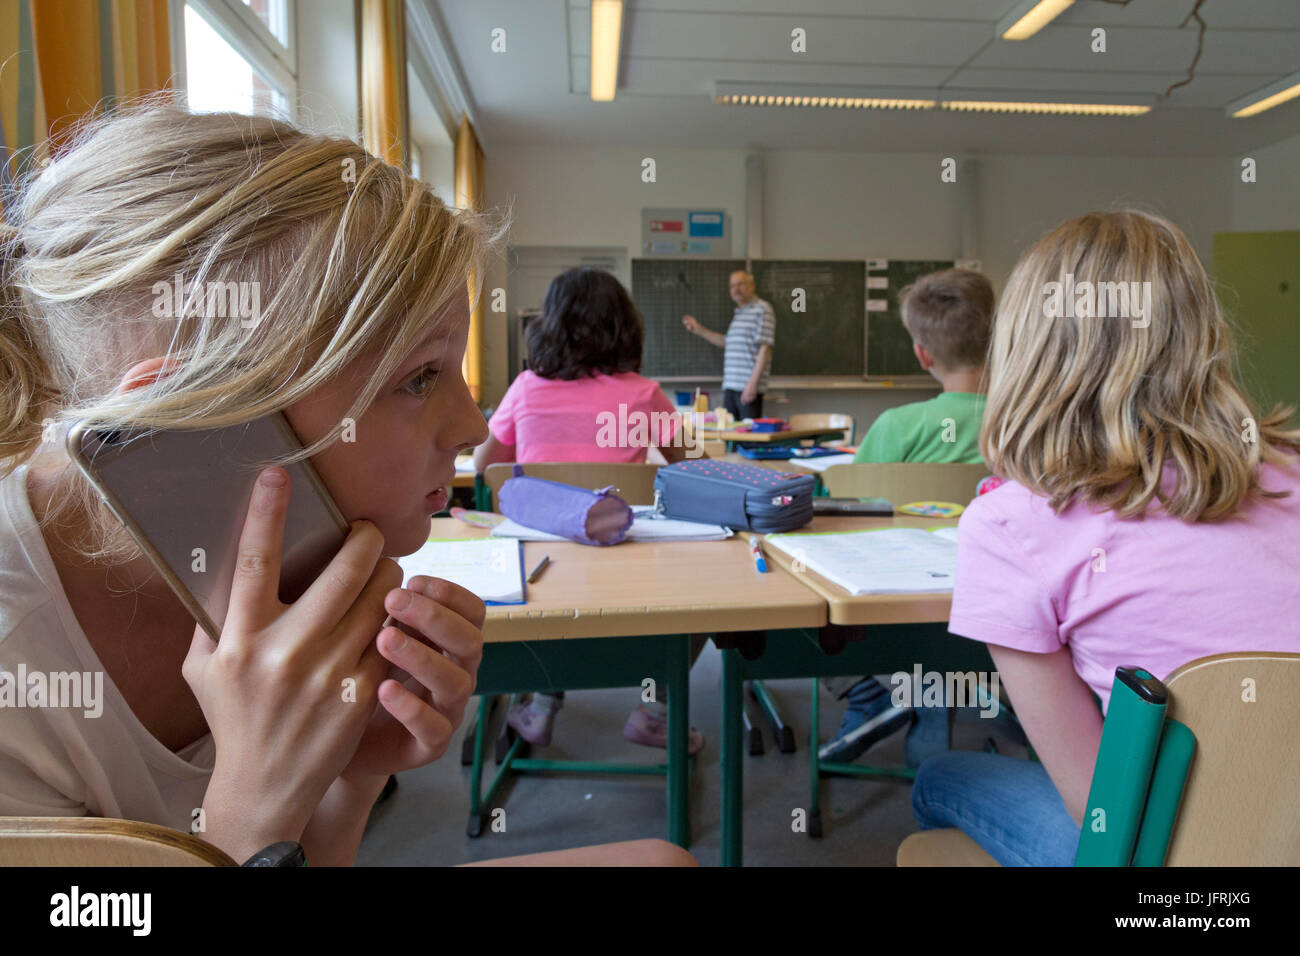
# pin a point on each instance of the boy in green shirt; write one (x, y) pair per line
(948, 315)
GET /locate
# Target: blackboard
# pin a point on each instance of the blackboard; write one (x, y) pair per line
(889, 346)
(825, 338)
(666, 289)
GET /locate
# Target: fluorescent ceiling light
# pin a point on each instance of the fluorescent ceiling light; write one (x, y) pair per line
(606, 33)
(1028, 17)
(1287, 88)
(822, 96)
(832, 102)
(1073, 109)
(841, 97)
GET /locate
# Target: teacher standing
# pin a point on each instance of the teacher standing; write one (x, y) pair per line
(747, 348)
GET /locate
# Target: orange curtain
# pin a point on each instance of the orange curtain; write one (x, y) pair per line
(61, 60)
(382, 65)
(469, 195)
(92, 53)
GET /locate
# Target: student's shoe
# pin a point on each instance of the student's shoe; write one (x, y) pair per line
(651, 730)
(534, 721)
(861, 731)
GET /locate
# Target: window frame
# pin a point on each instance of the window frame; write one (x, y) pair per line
(235, 23)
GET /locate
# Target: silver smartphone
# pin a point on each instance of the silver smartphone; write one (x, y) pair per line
(183, 496)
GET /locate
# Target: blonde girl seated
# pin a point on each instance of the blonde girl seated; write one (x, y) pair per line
(361, 272)
(1151, 517)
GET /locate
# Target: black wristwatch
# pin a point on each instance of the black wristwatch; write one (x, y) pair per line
(285, 853)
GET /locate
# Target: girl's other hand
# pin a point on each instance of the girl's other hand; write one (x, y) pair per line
(438, 644)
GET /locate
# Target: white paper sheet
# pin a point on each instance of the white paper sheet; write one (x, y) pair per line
(889, 561)
(820, 463)
(490, 567)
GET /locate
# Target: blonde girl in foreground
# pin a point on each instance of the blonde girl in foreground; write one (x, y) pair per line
(363, 315)
(1125, 438)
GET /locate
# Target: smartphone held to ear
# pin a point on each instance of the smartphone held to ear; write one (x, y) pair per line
(183, 496)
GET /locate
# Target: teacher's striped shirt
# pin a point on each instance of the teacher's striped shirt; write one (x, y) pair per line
(752, 325)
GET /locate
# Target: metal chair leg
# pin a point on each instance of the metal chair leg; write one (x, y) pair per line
(781, 731)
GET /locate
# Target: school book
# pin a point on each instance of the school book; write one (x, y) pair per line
(492, 568)
(883, 561)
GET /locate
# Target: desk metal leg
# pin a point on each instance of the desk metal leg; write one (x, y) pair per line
(475, 824)
(732, 765)
(814, 763)
(679, 723)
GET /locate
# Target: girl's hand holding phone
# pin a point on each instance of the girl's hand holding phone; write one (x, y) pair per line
(438, 644)
(289, 689)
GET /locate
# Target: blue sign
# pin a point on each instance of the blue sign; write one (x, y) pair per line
(706, 224)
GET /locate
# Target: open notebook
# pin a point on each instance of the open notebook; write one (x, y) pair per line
(493, 568)
(884, 561)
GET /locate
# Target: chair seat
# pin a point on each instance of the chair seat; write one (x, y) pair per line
(948, 847)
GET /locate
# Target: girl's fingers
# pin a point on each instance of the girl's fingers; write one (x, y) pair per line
(254, 592)
(430, 729)
(444, 627)
(356, 631)
(449, 684)
(336, 588)
(452, 596)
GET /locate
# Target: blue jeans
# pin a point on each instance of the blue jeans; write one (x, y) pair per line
(1009, 807)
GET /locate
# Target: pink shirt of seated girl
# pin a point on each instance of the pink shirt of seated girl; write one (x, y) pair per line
(598, 418)
(1155, 592)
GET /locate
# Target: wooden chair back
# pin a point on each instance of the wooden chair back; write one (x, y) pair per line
(635, 483)
(1239, 804)
(903, 482)
(98, 841)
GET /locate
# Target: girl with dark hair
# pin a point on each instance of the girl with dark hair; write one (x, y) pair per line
(583, 399)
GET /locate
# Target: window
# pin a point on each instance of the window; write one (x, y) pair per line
(275, 14)
(238, 55)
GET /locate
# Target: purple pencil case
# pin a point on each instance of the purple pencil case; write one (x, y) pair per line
(597, 517)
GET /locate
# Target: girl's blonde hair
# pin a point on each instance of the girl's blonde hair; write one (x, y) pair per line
(1095, 407)
(346, 256)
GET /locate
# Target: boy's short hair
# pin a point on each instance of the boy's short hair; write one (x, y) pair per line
(951, 314)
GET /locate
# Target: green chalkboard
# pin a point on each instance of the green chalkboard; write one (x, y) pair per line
(664, 290)
(820, 308)
(889, 346)
(823, 338)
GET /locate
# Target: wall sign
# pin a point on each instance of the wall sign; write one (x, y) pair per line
(685, 233)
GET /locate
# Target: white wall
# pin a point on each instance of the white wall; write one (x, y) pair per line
(1272, 202)
(327, 66)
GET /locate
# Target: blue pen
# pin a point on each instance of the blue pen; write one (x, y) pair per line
(755, 549)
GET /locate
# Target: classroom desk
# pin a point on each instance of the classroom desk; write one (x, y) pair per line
(463, 479)
(868, 634)
(845, 609)
(590, 616)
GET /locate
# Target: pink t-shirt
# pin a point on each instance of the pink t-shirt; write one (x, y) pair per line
(1170, 591)
(600, 418)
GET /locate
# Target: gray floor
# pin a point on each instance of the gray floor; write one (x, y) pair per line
(423, 823)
